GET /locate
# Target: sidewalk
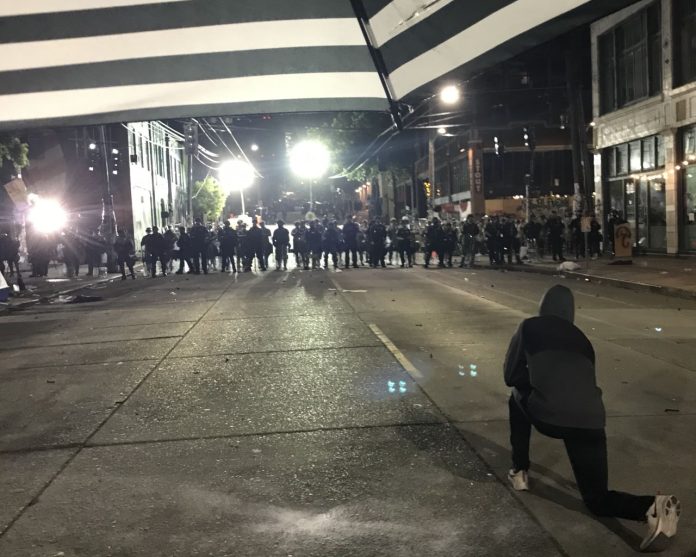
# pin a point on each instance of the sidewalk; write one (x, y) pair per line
(662, 274)
(55, 284)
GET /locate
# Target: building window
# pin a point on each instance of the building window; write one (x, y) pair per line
(633, 157)
(622, 160)
(660, 144)
(635, 164)
(684, 41)
(648, 153)
(629, 58)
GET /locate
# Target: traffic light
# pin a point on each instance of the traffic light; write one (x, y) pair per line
(190, 138)
(529, 137)
(427, 187)
(92, 155)
(498, 146)
(115, 161)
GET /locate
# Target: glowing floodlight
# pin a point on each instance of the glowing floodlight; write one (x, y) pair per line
(310, 159)
(47, 216)
(450, 95)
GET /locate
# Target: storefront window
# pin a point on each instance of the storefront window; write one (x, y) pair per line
(616, 195)
(689, 219)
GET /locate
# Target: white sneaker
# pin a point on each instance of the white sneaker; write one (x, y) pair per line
(663, 516)
(519, 480)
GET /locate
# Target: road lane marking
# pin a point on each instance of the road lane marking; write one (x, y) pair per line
(398, 354)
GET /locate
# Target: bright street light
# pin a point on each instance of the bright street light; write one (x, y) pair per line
(254, 147)
(47, 216)
(441, 131)
(449, 94)
(310, 159)
(236, 175)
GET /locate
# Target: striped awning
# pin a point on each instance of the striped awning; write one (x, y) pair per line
(94, 61)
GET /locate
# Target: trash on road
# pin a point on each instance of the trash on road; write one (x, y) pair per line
(79, 299)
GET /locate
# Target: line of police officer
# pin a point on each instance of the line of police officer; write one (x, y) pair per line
(239, 247)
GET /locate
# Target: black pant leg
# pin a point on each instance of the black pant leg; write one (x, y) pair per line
(520, 434)
(587, 452)
(204, 260)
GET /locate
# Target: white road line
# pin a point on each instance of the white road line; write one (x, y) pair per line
(398, 354)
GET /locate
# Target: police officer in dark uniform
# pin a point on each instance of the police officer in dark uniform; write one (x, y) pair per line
(242, 245)
(403, 243)
(95, 246)
(299, 245)
(185, 251)
(72, 252)
(376, 236)
(490, 230)
(449, 243)
(255, 240)
(556, 229)
(227, 236)
(350, 239)
(125, 254)
(509, 238)
(199, 245)
(433, 242)
(157, 247)
(314, 244)
(281, 242)
(470, 231)
(330, 244)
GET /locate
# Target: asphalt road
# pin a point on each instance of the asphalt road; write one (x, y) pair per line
(323, 414)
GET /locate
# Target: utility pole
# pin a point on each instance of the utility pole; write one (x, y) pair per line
(190, 148)
(432, 135)
(168, 170)
(529, 142)
(108, 219)
(153, 176)
(581, 155)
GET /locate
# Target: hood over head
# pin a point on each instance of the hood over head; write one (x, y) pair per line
(559, 302)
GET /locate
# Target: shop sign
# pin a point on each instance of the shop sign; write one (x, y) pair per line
(623, 240)
(17, 191)
(478, 173)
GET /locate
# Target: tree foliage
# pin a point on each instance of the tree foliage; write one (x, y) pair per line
(208, 199)
(13, 150)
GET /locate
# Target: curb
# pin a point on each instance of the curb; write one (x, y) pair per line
(617, 283)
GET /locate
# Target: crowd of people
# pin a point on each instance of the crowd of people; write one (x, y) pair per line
(509, 238)
(323, 243)
(315, 244)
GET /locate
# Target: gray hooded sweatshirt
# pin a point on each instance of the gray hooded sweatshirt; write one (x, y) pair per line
(550, 365)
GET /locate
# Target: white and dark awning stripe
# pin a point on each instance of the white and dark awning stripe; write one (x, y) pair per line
(92, 61)
(138, 59)
(423, 41)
